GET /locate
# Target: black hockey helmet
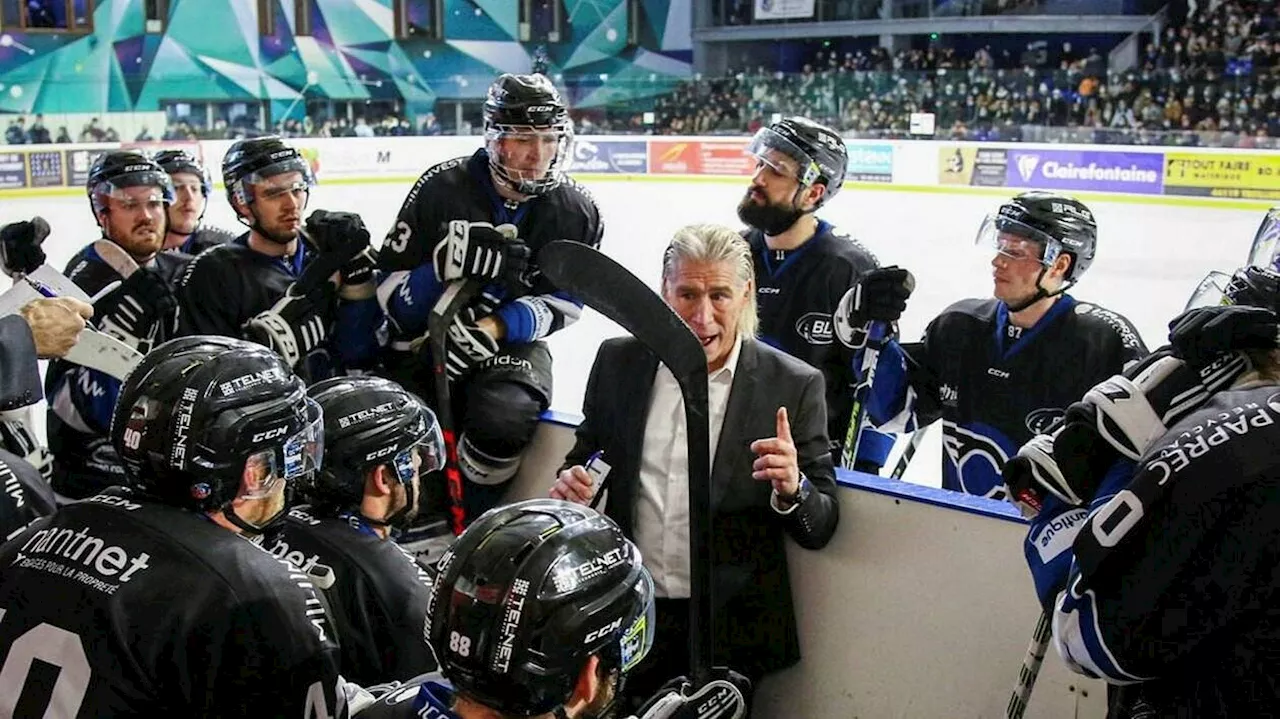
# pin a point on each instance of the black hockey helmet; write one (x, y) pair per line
(368, 422)
(250, 161)
(1057, 223)
(528, 107)
(113, 171)
(1251, 286)
(203, 420)
(527, 594)
(182, 161)
(818, 151)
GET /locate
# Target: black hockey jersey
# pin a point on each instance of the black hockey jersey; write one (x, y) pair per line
(203, 238)
(227, 285)
(379, 595)
(994, 385)
(462, 189)
(137, 609)
(796, 295)
(26, 496)
(1173, 587)
(81, 399)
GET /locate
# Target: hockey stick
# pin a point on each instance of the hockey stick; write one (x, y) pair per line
(611, 289)
(1030, 668)
(908, 452)
(456, 296)
(877, 334)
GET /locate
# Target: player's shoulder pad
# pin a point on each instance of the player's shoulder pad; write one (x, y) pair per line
(851, 250)
(1107, 322)
(577, 201)
(412, 238)
(209, 267)
(973, 308)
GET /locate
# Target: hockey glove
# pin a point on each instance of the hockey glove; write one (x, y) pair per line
(292, 327)
(1201, 334)
(1033, 472)
(724, 697)
(18, 437)
(1122, 416)
(20, 251)
(468, 345)
(479, 250)
(878, 296)
(359, 271)
(338, 239)
(132, 311)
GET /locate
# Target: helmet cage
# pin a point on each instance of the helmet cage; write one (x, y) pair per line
(552, 177)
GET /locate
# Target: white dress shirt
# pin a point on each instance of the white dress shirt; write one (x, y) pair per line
(662, 502)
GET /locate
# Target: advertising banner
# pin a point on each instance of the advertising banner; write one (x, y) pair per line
(783, 9)
(610, 156)
(727, 158)
(13, 170)
(675, 158)
(45, 168)
(1249, 176)
(980, 166)
(869, 163)
(1094, 170)
(78, 163)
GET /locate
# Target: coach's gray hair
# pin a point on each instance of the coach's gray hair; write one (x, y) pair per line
(713, 244)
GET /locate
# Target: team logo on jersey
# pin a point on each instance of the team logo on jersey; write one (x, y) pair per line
(80, 557)
(1039, 421)
(815, 328)
(965, 447)
(948, 395)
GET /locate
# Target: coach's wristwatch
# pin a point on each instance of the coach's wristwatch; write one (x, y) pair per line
(803, 490)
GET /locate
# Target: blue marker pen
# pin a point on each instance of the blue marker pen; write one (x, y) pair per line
(597, 468)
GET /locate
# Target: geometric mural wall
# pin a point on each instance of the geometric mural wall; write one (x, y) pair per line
(211, 50)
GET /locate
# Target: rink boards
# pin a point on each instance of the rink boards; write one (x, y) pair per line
(921, 607)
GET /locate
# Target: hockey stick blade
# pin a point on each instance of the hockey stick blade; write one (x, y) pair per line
(456, 296)
(613, 291)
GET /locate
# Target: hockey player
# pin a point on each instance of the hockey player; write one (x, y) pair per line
(485, 217)
(270, 285)
(999, 370)
(25, 495)
(378, 439)
(130, 195)
(540, 610)
(191, 188)
(149, 602)
(803, 266)
(1156, 523)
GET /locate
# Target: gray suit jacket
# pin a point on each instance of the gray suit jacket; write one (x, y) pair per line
(19, 371)
(755, 625)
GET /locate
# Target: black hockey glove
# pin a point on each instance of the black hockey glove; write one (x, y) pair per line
(20, 251)
(293, 327)
(478, 250)
(339, 239)
(879, 296)
(468, 345)
(359, 271)
(18, 437)
(724, 697)
(1201, 334)
(1033, 473)
(1122, 416)
(133, 311)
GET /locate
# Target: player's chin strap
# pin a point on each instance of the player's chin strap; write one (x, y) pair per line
(1040, 294)
(229, 511)
(396, 519)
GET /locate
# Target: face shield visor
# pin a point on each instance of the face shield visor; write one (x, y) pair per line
(429, 451)
(296, 457)
(637, 640)
(1266, 243)
(1017, 241)
(116, 189)
(266, 183)
(784, 156)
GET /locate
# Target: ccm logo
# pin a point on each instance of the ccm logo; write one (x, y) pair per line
(997, 373)
(269, 434)
(602, 631)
